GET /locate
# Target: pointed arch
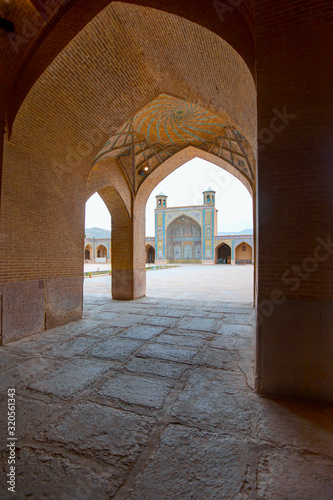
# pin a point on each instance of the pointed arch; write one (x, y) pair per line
(223, 253)
(244, 253)
(88, 252)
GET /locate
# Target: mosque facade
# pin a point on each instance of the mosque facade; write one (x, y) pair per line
(184, 235)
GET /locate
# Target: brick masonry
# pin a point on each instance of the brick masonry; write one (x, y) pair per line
(70, 83)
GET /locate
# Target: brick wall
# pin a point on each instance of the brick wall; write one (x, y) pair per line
(294, 49)
(85, 94)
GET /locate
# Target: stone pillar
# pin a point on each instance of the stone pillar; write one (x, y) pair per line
(128, 275)
(233, 252)
(295, 179)
(127, 248)
(108, 258)
(93, 251)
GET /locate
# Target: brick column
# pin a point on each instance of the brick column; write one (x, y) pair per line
(232, 252)
(127, 248)
(295, 179)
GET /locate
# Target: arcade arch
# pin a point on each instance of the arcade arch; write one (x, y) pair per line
(88, 253)
(101, 252)
(150, 254)
(183, 237)
(48, 165)
(223, 254)
(243, 254)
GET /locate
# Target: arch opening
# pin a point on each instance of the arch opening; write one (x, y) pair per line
(150, 254)
(244, 254)
(88, 253)
(187, 225)
(223, 254)
(183, 241)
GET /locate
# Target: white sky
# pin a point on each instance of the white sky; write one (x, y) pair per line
(184, 187)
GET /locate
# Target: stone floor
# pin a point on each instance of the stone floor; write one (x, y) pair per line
(191, 282)
(154, 400)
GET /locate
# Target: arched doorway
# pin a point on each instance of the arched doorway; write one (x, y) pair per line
(223, 254)
(150, 254)
(87, 253)
(244, 254)
(101, 253)
(184, 241)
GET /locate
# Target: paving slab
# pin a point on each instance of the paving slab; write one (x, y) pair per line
(136, 389)
(218, 358)
(168, 352)
(235, 308)
(71, 377)
(45, 475)
(247, 367)
(233, 342)
(157, 367)
(165, 321)
(35, 346)
(150, 310)
(124, 320)
(7, 357)
(143, 332)
(173, 312)
(191, 464)
(188, 333)
(72, 329)
(30, 413)
(104, 433)
(19, 374)
(215, 315)
(200, 324)
(238, 319)
(220, 431)
(215, 398)
(104, 332)
(71, 347)
(106, 316)
(115, 348)
(295, 424)
(180, 340)
(294, 476)
(232, 329)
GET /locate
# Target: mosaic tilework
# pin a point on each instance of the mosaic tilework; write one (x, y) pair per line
(166, 126)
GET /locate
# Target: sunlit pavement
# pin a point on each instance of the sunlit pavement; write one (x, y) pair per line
(154, 399)
(190, 281)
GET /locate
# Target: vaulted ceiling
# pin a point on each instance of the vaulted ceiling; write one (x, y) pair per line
(106, 81)
(166, 126)
(43, 28)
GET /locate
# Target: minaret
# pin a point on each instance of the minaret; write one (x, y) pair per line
(209, 197)
(161, 200)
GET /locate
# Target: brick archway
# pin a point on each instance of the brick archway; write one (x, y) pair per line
(223, 254)
(94, 108)
(70, 17)
(150, 254)
(101, 252)
(244, 253)
(88, 253)
(69, 103)
(179, 247)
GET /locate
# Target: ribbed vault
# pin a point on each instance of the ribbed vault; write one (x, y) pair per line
(166, 126)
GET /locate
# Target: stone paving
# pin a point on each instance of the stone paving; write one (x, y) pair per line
(191, 282)
(154, 400)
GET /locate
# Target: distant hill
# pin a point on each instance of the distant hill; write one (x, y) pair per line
(245, 231)
(97, 232)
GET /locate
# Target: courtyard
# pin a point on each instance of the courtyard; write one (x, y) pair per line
(154, 400)
(189, 281)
